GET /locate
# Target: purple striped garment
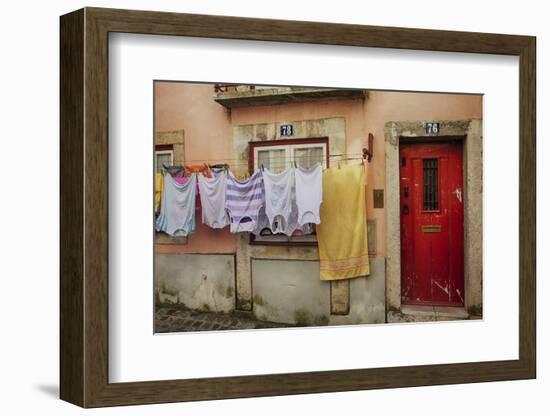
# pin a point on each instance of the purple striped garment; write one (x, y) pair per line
(243, 201)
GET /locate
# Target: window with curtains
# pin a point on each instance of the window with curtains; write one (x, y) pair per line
(279, 155)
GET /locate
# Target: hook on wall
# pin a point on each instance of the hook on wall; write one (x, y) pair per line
(368, 152)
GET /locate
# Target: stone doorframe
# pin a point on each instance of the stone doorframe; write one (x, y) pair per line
(472, 148)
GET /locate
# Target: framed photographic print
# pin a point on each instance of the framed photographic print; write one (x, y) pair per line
(254, 207)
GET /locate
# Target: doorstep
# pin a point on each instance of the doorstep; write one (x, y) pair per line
(422, 313)
(451, 312)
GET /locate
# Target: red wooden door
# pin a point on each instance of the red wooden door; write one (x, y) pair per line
(432, 229)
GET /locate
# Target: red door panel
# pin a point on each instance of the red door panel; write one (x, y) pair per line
(432, 231)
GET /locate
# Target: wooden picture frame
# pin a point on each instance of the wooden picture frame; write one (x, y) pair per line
(84, 207)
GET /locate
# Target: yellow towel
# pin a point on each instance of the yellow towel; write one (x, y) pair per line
(159, 183)
(342, 234)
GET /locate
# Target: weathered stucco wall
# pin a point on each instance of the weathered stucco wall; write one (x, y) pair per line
(290, 291)
(367, 297)
(198, 281)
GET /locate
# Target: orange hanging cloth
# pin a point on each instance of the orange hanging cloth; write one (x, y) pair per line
(198, 169)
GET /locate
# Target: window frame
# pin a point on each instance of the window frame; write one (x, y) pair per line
(164, 150)
(291, 144)
(257, 149)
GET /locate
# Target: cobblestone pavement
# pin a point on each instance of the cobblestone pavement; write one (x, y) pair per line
(169, 319)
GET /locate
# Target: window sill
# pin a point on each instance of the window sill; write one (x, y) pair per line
(161, 238)
(283, 243)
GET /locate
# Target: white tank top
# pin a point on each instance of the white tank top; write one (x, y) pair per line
(293, 218)
(309, 193)
(292, 226)
(212, 195)
(278, 188)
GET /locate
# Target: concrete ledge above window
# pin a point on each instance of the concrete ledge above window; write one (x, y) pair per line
(246, 96)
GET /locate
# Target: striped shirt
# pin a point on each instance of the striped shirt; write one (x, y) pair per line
(243, 200)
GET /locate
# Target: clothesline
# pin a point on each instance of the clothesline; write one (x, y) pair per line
(284, 163)
(348, 156)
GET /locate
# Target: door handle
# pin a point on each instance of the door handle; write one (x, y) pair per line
(405, 209)
(458, 193)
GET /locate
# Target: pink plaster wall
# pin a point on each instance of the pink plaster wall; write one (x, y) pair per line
(208, 134)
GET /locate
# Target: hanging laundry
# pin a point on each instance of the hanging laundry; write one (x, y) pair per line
(212, 197)
(262, 225)
(177, 210)
(243, 200)
(176, 171)
(204, 169)
(309, 193)
(342, 234)
(180, 180)
(293, 224)
(292, 227)
(278, 187)
(159, 183)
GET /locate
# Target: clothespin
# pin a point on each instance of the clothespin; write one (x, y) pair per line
(263, 170)
(339, 163)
